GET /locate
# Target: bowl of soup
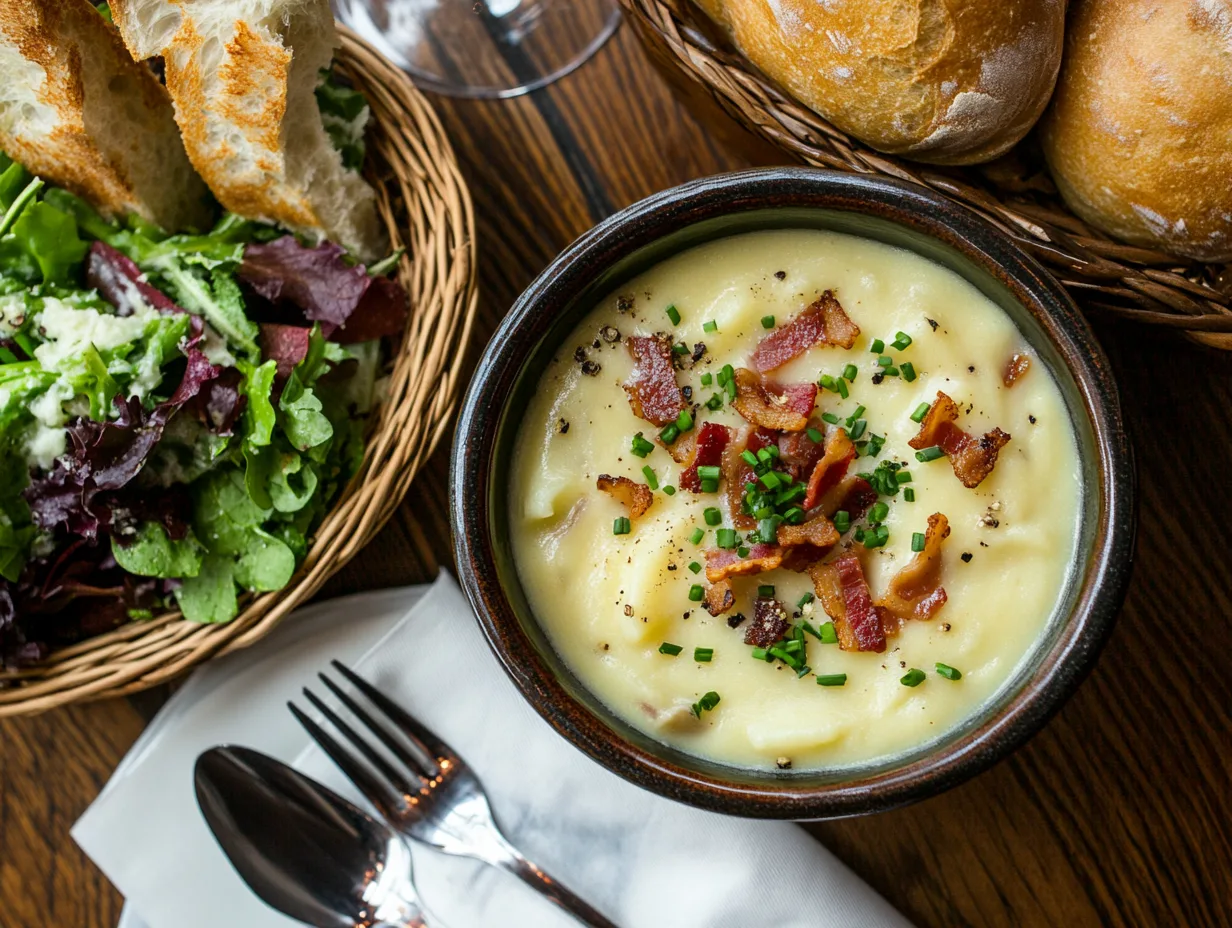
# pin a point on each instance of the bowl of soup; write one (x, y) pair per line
(792, 493)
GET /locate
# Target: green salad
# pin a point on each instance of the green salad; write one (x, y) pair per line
(177, 412)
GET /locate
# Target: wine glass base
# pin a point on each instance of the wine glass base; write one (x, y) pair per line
(483, 49)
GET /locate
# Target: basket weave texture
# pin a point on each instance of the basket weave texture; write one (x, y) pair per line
(426, 208)
(1013, 192)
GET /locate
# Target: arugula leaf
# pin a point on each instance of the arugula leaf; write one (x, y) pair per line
(153, 554)
(210, 595)
(259, 416)
(267, 564)
(303, 421)
(50, 238)
(218, 300)
(95, 383)
(13, 179)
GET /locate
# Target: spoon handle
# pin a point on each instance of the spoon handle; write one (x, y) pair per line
(537, 879)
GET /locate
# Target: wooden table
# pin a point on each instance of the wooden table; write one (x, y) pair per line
(1118, 813)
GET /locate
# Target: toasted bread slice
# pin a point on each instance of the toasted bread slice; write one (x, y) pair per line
(243, 76)
(79, 112)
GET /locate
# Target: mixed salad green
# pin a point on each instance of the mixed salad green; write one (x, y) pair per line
(177, 412)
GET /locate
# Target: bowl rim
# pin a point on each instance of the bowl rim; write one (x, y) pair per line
(1101, 586)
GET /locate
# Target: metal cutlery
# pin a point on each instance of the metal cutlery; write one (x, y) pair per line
(303, 849)
(423, 788)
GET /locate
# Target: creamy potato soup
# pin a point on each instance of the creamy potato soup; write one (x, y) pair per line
(795, 498)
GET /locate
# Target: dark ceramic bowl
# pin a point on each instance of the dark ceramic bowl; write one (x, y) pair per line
(662, 225)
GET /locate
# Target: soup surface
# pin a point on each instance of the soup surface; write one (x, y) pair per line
(845, 629)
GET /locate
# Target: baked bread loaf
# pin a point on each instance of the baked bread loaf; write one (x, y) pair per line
(76, 110)
(1139, 136)
(943, 81)
(243, 75)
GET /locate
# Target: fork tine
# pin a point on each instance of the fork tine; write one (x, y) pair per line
(423, 737)
(378, 793)
(413, 762)
(393, 776)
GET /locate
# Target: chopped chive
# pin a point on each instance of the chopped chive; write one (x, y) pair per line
(873, 540)
(850, 371)
(697, 593)
(749, 457)
(891, 372)
(917, 541)
(920, 412)
(909, 495)
(902, 476)
(884, 360)
(669, 490)
(913, 677)
(761, 654)
(827, 383)
(804, 671)
(827, 634)
(816, 436)
(706, 703)
(710, 485)
(622, 526)
(742, 551)
(641, 447)
(794, 646)
(695, 567)
(901, 341)
(908, 371)
(879, 511)
(684, 421)
(877, 346)
(858, 534)
(766, 591)
(763, 512)
(730, 389)
(671, 650)
(857, 429)
(794, 515)
(831, 679)
(804, 601)
(842, 388)
(767, 322)
(787, 658)
(707, 379)
(725, 538)
(673, 314)
(715, 401)
(712, 515)
(726, 374)
(651, 480)
(681, 348)
(697, 536)
(703, 655)
(709, 471)
(710, 326)
(929, 454)
(842, 521)
(950, 673)
(771, 480)
(670, 433)
(763, 455)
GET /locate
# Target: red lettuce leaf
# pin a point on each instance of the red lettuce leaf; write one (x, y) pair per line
(117, 278)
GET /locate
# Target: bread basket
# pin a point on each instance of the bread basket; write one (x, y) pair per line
(427, 209)
(1014, 192)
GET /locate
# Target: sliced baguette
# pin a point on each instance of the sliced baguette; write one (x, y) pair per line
(243, 76)
(76, 110)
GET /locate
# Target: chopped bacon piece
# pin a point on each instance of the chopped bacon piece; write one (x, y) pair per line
(853, 494)
(653, 392)
(712, 438)
(799, 454)
(972, 458)
(773, 406)
(844, 594)
(832, 468)
(824, 322)
(636, 496)
(915, 592)
(807, 543)
(769, 623)
(736, 472)
(722, 563)
(720, 598)
(1016, 369)
(682, 448)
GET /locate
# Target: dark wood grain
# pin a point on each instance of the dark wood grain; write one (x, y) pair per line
(1119, 813)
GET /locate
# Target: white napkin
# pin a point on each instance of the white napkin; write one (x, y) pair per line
(642, 859)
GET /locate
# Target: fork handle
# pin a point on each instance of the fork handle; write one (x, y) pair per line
(545, 884)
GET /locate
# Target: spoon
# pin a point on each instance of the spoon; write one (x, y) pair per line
(302, 848)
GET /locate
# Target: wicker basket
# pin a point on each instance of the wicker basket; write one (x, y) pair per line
(427, 210)
(1013, 192)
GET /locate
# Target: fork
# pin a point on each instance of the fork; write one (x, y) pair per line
(437, 799)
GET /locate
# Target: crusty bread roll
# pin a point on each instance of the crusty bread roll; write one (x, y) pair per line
(76, 110)
(1139, 136)
(943, 81)
(243, 75)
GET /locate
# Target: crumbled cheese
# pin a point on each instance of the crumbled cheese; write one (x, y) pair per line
(70, 330)
(214, 347)
(48, 438)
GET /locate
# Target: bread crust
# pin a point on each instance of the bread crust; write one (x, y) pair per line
(1139, 135)
(942, 81)
(53, 53)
